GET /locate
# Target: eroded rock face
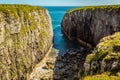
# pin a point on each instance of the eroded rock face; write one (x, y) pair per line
(25, 37)
(89, 24)
(105, 57)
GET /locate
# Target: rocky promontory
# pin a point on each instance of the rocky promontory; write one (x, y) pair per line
(104, 62)
(25, 38)
(89, 24)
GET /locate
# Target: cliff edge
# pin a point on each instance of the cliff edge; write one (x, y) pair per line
(89, 24)
(25, 37)
(104, 62)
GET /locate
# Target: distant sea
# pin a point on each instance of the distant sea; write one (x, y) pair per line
(60, 41)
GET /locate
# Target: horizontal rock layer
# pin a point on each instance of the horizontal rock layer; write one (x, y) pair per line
(25, 37)
(89, 24)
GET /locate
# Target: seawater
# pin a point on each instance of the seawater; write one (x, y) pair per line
(60, 41)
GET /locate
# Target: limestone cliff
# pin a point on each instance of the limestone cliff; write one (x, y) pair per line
(25, 37)
(104, 62)
(89, 24)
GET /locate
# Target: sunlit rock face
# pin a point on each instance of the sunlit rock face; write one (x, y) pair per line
(105, 57)
(25, 37)
(89, 24)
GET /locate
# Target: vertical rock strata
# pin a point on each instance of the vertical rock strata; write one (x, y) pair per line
(25, 37)
(89, 24)
(104, 62)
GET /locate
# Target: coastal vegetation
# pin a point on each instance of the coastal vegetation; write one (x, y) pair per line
(15, 10)
(108, 48)
(107, 55)
(92, 8)
(103, 76)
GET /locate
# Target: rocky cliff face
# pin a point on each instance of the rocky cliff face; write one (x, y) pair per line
(105, 59)
(89, 24)
(25, 37)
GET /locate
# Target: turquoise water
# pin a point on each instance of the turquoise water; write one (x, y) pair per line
(60, 41)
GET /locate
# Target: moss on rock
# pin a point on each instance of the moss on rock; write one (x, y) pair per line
(103, 76)
(26, 39)
(108, 48)
(15, 10)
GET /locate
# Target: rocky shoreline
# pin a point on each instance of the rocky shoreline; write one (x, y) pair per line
(94, 27)
(27, 38)
(68, 65)
(85, 63)
(65, 67)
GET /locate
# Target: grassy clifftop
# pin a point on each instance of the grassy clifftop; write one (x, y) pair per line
(105, 60)
(109, 7)
(15, 9)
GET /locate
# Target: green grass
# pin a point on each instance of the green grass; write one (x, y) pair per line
(84, 8)
(17, 41)
(103, 76)
(16, 10)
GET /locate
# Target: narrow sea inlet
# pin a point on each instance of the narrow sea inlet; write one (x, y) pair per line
(60, 41)
(28, 50)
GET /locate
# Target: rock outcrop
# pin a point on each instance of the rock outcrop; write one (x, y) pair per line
(104, 60)
(89, 24)
(25, 37)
